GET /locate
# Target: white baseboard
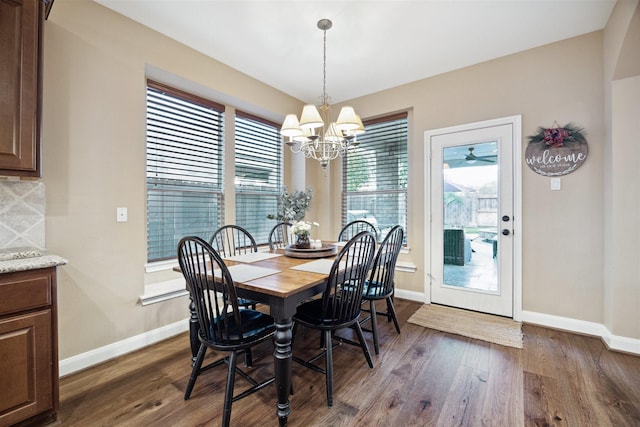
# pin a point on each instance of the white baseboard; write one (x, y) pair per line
(102, 354)
(614, 342)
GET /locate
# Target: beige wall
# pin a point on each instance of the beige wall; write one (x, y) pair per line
(93, 162)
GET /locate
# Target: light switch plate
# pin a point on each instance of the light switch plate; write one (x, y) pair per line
(556, 184)
(121, 214)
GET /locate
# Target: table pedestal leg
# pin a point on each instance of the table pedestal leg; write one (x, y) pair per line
(282, 367)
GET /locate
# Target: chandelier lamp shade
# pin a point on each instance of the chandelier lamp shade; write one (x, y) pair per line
(316, 135)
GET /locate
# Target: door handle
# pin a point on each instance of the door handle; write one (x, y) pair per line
(505, 232)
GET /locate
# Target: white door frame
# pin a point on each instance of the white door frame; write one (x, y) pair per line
(516, 125)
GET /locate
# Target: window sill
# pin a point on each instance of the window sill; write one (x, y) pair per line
(154, 267)
(406, 267)
(163, 291)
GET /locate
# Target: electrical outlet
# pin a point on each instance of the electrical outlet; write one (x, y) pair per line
(121, 214)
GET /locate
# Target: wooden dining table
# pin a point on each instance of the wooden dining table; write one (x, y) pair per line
(282, 291)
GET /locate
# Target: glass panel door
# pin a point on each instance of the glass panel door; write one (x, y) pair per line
(470, 220)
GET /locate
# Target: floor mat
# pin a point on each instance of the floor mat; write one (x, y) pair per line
(486, 327)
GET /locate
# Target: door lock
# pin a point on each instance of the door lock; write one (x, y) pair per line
(505, 218)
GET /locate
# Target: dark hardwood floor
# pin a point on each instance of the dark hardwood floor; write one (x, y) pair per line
(422, 377)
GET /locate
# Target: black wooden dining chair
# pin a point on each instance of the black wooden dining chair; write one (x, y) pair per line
(232, 240)
(224, 326)
(280, 236)
(380, 284)
(355, 227)
(339, 306)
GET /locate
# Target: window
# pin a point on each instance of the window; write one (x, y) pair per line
(258, 177)
(184, 168)
(375, 175)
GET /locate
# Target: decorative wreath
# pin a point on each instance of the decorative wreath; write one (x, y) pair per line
(557, 136)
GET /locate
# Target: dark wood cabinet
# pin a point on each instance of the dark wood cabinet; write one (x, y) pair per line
(29, 381)
(21, 27)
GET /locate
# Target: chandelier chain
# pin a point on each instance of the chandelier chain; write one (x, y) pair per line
(324, 70)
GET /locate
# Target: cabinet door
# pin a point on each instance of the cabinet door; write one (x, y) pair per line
(20, 38)
(25, 372)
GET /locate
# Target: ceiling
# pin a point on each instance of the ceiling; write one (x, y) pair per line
(373, 45)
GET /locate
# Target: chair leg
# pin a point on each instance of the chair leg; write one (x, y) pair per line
(374, 325)
(363, 345)
(228, 392)
(195, 371)
(248, 359)
(392, 311)
(329, 366)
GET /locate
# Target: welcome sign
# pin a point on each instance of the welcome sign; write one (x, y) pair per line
(556, 151)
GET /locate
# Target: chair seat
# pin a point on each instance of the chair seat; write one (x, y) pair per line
(310, 314)
(375, 290)
(255, 324)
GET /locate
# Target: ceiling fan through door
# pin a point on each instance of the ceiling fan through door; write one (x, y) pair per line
(472, 158)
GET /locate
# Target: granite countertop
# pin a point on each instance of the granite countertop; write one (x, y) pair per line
(22, 259)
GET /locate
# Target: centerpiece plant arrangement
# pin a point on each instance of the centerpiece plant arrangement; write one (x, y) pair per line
(302, 230)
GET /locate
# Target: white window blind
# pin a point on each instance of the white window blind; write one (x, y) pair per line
(184, 168)
(375, 175)
(258, 176)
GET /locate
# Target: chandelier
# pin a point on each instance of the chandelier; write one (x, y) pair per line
(315, 135)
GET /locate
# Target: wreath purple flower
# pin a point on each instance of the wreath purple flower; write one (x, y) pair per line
(557, 136)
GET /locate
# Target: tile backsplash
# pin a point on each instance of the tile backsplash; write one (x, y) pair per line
(22, 209)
